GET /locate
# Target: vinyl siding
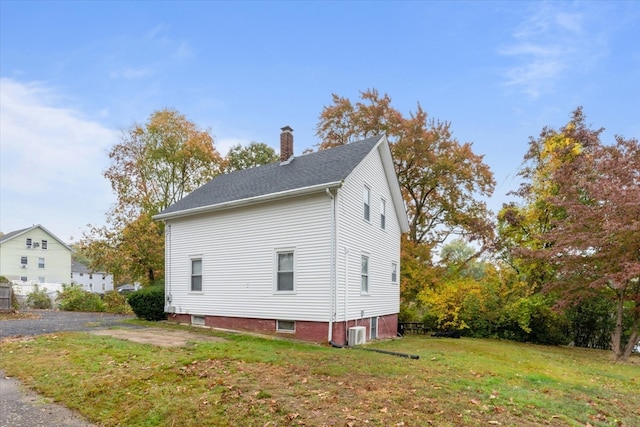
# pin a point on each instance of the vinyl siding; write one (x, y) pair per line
(57, 258)
(357, 237)
(238, 251)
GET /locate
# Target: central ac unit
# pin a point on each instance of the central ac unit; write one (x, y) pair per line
(357, 335)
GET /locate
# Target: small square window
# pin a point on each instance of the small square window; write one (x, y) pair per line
(285, 326)
(41, 279)
(197, 320)
(196, 274)
(40, 262)
(23, 278)
(365, 274)
(285, 271)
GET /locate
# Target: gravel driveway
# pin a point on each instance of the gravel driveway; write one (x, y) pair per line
(20, 407)
(49, 321)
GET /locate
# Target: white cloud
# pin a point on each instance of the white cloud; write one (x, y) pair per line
(550, 44)
(52, 162)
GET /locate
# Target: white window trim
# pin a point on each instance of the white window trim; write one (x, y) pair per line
(383, 214)
(191, 259)
(284, 330)
(394, 265)
(372, 321)
(366, 215)
(275, 270)
(368, 275)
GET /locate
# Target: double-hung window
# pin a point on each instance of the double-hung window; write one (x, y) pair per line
(394, 272)
(365, 274)
(28, 243)
(383, 209)
(285, 271)
(366, 198)
(44, 244)
(40, 262)
(196, 274)
(24, 261)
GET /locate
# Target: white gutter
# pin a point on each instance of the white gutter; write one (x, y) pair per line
(249, 201)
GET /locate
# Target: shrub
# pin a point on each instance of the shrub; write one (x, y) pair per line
(148, 303)
(39, 299)
(74, 298)
(116, 303)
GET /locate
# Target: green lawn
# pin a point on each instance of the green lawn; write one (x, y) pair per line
(252, 381)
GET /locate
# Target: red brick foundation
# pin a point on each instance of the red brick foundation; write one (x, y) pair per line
(305, 330)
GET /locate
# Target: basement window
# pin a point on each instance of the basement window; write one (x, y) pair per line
(197, 320)
(285, 326)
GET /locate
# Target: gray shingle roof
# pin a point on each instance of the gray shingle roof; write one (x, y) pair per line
(11, 234)
(309, 170)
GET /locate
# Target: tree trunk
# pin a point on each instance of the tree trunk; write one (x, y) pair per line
(616, 334)
(635, 336)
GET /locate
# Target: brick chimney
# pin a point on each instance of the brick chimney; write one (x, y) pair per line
(286, 143)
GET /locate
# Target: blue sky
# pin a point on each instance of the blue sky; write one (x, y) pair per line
(74, 74)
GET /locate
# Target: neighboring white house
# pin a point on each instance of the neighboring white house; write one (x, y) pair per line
(34, 255)
(308, 246)
(93, 281)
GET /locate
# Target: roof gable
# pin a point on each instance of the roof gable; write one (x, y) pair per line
(327, 168)
(13, 234)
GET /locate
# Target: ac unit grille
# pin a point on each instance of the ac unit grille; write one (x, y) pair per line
(357, 335)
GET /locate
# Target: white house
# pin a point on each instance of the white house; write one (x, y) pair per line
(93, 281)
(35, 255)
(308, 246)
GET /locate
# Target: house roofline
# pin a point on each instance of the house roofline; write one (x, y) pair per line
(249, 201)
(26, 230)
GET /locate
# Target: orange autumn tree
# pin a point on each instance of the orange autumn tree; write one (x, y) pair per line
(442, 180)
(154, 165)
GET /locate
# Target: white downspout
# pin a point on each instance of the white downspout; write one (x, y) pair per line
(332, 279)
(167, 270)
(346, 293)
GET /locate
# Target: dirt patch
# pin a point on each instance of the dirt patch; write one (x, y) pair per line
(157, 336)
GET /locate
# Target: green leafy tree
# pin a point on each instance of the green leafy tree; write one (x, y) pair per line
(255, 154)
(154, 165)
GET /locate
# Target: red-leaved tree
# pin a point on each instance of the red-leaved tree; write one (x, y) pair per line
(594, 243)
